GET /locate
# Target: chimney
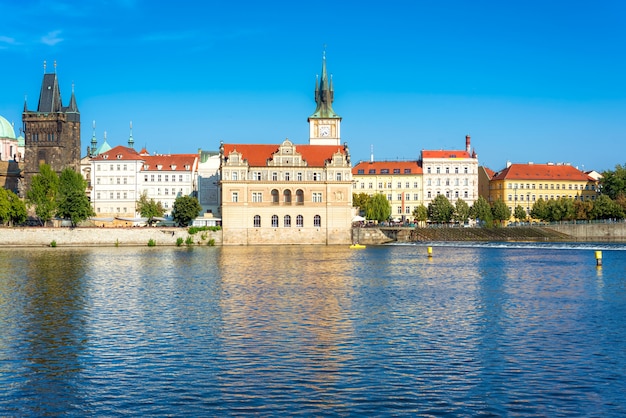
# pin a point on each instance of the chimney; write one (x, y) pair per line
(467, 143)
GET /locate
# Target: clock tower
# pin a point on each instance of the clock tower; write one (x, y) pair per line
(324, 123)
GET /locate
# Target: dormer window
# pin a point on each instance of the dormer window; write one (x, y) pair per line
(119, 156)
(145, 166)
(159, 166)
(173, 167)
(105, 156)
(187, 167)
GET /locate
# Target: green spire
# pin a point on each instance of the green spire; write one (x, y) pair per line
(324, 95)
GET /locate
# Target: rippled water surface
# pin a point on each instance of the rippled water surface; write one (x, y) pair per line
(307, 330)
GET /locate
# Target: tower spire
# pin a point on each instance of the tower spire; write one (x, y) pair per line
(131, 141)
(324, 94)
(94, 141)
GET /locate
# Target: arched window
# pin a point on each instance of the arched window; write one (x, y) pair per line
(317, 220)
(287, 196)
(257, 221)
(299, 197)
(274, 221)
(299, 221)
(287, 221)
(274, 196)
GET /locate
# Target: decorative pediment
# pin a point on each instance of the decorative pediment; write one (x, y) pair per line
(286, 156)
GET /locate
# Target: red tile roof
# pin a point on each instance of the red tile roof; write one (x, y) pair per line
(259, 154)
(445, 154)
(490, 173)
(541, 172)
(390, 166)
(168, 162)
(119, 153)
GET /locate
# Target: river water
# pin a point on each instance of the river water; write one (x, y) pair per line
(476, 330)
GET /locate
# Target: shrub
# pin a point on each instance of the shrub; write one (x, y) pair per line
(53, 243)
(179, 241)
(151, 243)
(211, 242)
(189, 240)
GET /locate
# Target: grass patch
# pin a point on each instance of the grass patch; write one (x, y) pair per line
(53, 243)
(151, 243)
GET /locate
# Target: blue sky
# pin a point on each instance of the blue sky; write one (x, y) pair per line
(528, 80)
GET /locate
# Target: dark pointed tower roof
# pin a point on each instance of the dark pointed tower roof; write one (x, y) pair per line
(50, 96)
(324, 95)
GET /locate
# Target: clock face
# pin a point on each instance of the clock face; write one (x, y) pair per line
(324, 130)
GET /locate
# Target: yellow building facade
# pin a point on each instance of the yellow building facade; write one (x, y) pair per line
(524, 184)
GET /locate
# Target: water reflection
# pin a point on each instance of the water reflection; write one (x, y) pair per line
(312, 330)
(43, 329)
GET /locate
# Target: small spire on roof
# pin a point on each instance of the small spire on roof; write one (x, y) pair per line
(44, 66)
(55, 66)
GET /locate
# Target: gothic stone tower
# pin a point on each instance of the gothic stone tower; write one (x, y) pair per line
(52, 132)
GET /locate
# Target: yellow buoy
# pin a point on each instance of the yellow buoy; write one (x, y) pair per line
(598, 258)
(430, 251)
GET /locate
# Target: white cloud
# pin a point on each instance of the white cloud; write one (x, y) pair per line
(52, 38)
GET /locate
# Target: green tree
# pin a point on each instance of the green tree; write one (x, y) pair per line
(43, 193)
(461, 211)
(582, 209)
(500, 211)
(420, 213)
(604, 208)
(148, 208)
(613, 182)
(519, 213)
(360, 200)
(185, 210)
(540, 210)
(72, 201)
(481, 212)
(378, 208)
(440, 210)
(18, 213)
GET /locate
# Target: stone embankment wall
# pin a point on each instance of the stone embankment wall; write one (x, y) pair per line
(596, 232)
(81, 237)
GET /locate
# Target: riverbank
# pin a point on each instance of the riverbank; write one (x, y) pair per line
(103, 237)
(608, 232)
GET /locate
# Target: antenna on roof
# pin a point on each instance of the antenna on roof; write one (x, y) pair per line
(55, 66)
(44, 66)
(372, 153)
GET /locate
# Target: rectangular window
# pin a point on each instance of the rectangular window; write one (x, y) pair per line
(118, 195)
(416, 196)
(389, 197)
(399, 185)
(257, 197)
(380, 185)
(396, 171)
(274, 176)
(407, 196)
(167, 177)
(338, 177)
(317, 197)
(399, 196)
(145, 177)
(158, 177)
(235, 197)
(235, 175)
(166, 191)
(125, 197)
(180, 178)
(384, 171)
(299, 176)
(360, 171)
(125, 180)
